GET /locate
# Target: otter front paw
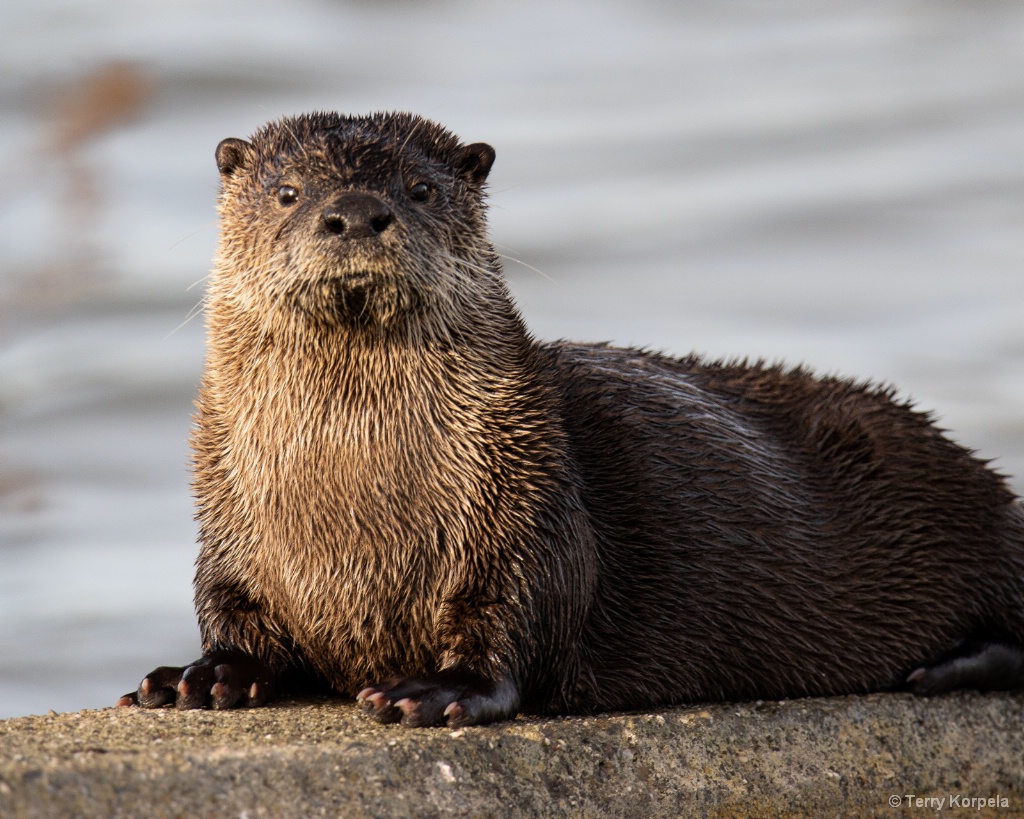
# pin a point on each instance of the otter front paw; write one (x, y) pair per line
(452, 697)
(219, 679)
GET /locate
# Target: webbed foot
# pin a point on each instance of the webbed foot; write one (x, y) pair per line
(451, 697)
(219, 679)
(988, 667)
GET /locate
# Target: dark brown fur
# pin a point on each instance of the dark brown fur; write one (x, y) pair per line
(396, 482)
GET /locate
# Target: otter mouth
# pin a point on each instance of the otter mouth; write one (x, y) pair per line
(352, 278)
(351, 301)
(351, 294)
(331, 296)
(348, 293)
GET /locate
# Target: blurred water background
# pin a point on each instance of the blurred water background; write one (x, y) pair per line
(839, 184)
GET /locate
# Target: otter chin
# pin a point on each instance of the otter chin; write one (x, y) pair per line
(342, 299)
(405, 498)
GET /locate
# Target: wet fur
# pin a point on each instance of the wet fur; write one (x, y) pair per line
(394, 480)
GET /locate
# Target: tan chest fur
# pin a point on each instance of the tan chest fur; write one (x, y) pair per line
(336, 477)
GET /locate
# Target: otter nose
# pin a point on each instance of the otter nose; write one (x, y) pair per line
(357, 216)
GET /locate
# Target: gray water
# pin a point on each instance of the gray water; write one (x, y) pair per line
(839, 184)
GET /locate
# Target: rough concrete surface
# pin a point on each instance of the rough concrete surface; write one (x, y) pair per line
(817, 757)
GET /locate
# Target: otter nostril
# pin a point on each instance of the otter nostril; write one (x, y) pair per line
(334, 219)
(357, 216)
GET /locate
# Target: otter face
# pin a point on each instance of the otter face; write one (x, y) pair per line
(353, 220)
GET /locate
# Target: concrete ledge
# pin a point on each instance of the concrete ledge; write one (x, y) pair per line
(827, 757)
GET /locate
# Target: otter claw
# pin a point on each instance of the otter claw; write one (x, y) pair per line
(916, 675)
(220, 679)
(453, 711)
(372, 698)
(450, 697)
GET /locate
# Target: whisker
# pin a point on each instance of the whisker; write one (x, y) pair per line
(195, 311)
(527, 266)
(199, 281)
(195, 232)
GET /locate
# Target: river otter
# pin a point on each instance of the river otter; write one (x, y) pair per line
(404, 497)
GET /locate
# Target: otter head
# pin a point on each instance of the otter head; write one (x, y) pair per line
(354, 221)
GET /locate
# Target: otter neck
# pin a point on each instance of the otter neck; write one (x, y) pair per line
(294, 355)
(385, 402)
(368, 421)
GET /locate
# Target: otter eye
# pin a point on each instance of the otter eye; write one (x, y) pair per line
(420, 192)
(287, 195)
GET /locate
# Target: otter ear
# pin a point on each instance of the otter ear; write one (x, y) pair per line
(474, 161)
(232, 154)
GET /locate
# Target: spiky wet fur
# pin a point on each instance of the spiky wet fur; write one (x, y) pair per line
(394, 478)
